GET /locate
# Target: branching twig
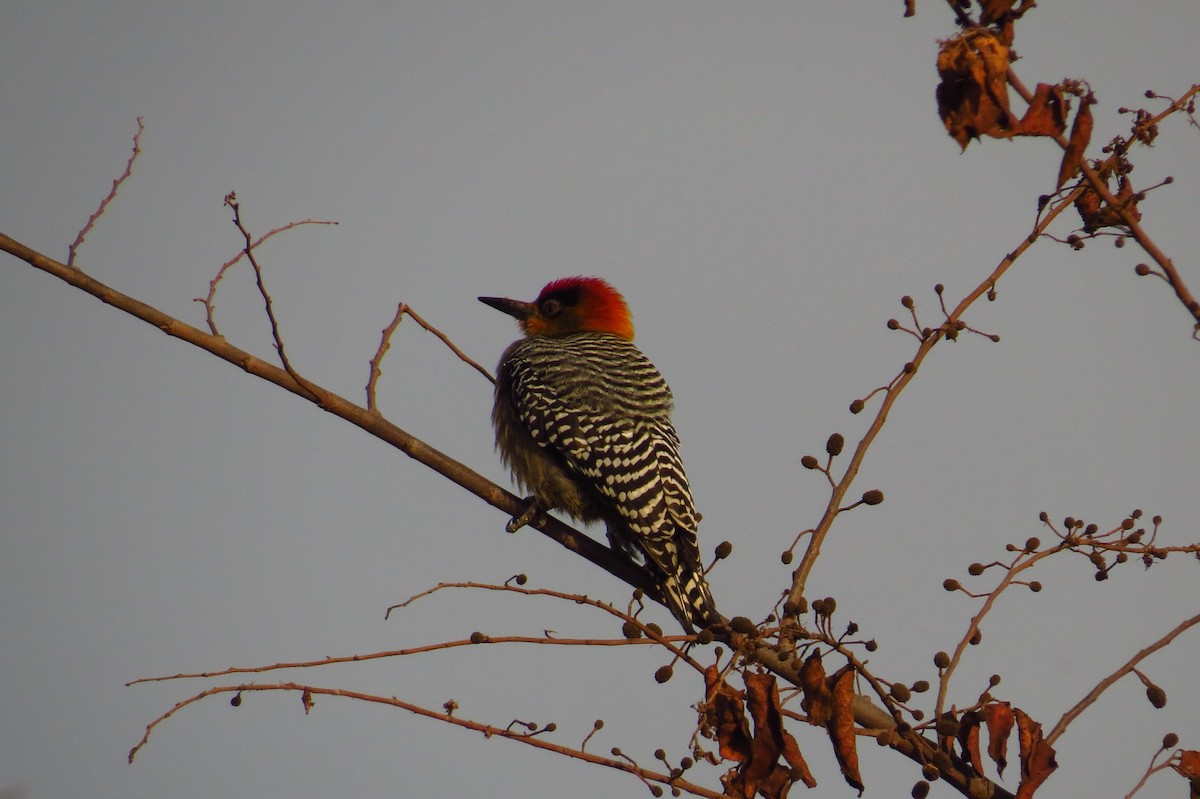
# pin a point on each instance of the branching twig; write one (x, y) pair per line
(1093, 175)
(208, 300)
(232, 201)
(893, 392)
(667, 641)
(137, 150)
(415, 650)
(489, 731)
(1131, 221)
(1021, 562)
(386, 341)
(1127, 668)
(1155, 766)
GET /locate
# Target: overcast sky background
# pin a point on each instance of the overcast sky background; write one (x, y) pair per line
(763, 181)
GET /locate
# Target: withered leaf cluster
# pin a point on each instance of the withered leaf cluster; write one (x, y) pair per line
(1037, 756)
(1096, 214)
(973, 101)
(973, 96)
(827, 701)
(761, 756)
(759, 770)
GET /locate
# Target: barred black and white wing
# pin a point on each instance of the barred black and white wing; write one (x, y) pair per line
(601, 407)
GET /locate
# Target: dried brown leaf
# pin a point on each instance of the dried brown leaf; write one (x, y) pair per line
(973, 94)
(1081, 135)
(1046, 115)
(764, 772)
(1188, 765)
(817, 701)
(790, 750)
(1037, 756)
(1096, 214)
(841, 726)
(1029, 732)
(999, 719)
(1041, 764)
(992, 10)
(968, 738)
(724, 713)
(1125, 197)
(1090, 209)
(799, 767)
(1004, 13)
(764, 749)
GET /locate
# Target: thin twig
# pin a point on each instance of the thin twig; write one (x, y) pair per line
(1021, 562)
(415, 650)
(137, 150)
(489, 731)
(208, 300)
(1092, 176)
(1127, 668)
(232, 201)
(445, 340)
(385, 342)
(667, 641)
(1151, 769)
(893, 392)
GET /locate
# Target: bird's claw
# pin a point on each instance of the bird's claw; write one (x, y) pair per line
(532, 509)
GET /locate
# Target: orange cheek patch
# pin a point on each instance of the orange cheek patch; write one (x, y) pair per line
(535, 326)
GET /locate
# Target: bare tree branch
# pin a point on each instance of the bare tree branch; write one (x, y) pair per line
(137, 150)
(386, 341)
(232, 201)
(413, 650)
(1128, 667)
(488, 730)
(208, 301)
(892, 393)
(616, 564)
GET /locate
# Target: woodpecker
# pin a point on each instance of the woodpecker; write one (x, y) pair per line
(583, 421)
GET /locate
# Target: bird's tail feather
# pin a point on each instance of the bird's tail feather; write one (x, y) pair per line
(687, 596)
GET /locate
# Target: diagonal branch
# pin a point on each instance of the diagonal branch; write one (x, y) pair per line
(1025, 560)
(892, 393)
(1107, 682)
(112, 194)
(1092, 175)
(910, 743)
(232, 201)
(373, 423)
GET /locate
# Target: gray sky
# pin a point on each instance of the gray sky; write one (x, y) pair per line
(762, 181)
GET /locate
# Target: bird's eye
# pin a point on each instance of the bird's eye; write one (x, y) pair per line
(551, 308)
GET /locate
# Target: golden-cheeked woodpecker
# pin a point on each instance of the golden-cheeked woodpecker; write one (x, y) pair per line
(583, 420)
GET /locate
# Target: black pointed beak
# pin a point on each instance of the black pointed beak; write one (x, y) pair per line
(514, 308)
